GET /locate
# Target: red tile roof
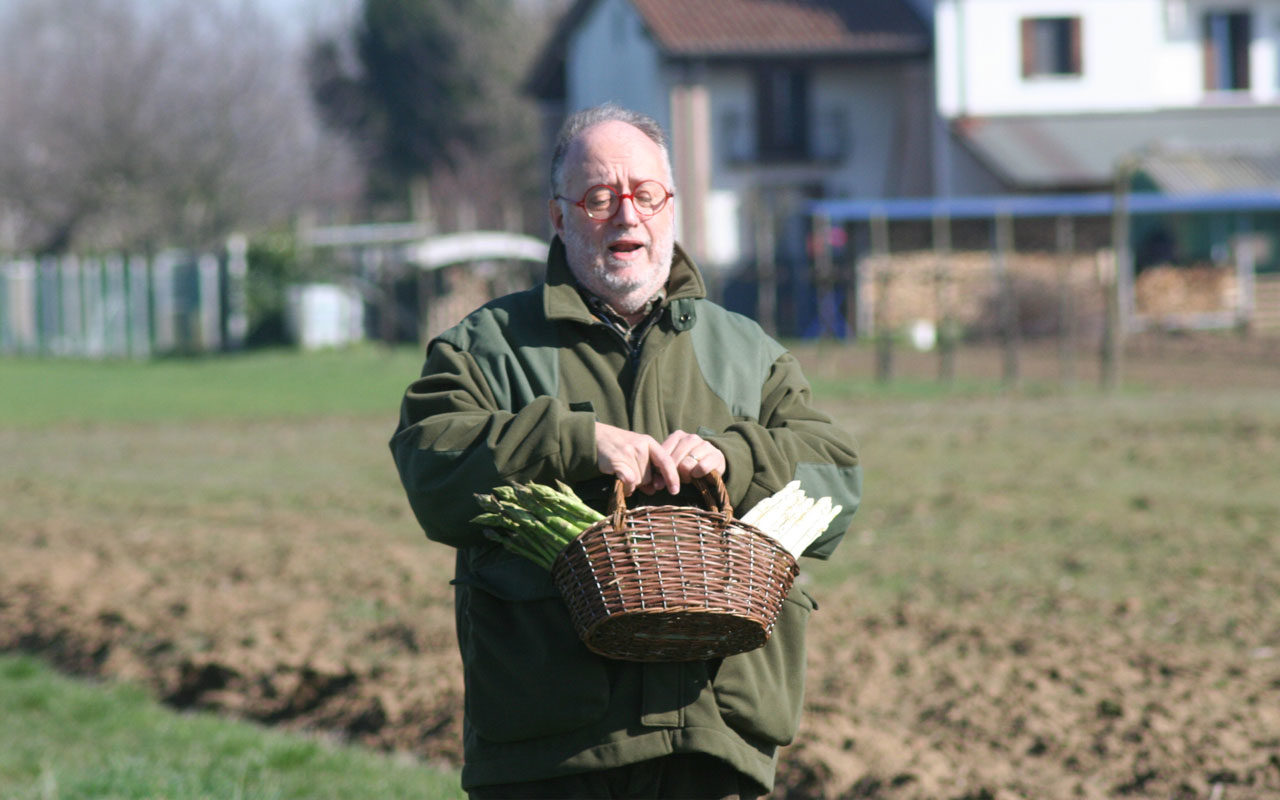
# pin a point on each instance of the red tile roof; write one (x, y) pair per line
(783, 27)
(752, 29)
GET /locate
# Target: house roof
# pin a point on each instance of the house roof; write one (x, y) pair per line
(784, 27)
(1077, 151)
(1214, 169)
(753, 29)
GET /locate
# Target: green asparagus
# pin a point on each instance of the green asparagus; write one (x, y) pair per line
(534, 520)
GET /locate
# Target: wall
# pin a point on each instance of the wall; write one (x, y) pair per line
(1138, 55)
(870, 133)
(625, 63)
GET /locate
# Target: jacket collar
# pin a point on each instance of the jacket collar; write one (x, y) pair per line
(560, 299)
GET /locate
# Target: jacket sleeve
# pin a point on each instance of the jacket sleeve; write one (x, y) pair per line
(453, 441)
(792, 440)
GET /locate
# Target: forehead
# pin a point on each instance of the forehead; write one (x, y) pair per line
(613, 153)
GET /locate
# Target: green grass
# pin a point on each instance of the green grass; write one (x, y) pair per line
(66, 739)
(258, 385)
(288, 384)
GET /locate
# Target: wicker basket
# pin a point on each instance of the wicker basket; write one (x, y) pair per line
(674, 583)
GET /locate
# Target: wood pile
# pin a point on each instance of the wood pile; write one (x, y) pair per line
(1162, 291)
(1266, 310)
(965, 285)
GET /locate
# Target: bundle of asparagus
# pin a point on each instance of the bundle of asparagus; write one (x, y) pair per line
(792, 518)
(534, 520)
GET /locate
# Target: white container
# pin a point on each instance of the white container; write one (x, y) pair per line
(324, 315)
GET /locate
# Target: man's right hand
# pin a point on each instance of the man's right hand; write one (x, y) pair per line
(635, 459)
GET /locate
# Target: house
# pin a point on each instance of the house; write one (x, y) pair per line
(769, 103)
(1055, 95)
(775, 103)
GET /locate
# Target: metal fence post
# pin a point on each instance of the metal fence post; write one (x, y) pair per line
(945, 335)
(883, 278)
(1115, 323)
(1007, 298)
(1065, 240)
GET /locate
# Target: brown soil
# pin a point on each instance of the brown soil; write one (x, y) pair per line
(915, 703)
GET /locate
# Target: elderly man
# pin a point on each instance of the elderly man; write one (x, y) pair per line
(617, 368)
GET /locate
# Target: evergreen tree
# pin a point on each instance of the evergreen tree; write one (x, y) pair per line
(428, 89)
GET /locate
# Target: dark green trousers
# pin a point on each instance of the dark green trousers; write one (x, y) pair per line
(681, 776)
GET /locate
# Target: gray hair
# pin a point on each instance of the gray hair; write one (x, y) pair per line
(590, 117)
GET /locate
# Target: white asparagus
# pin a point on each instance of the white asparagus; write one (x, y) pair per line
(810, 526)
(782, 513)
(791, 518)
(773, 501)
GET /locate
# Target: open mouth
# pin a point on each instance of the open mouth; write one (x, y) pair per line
(624, 247)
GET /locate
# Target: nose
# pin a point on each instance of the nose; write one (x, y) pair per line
(626, 216)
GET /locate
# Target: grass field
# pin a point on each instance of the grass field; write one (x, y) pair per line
(72, 739)
(1047, 592)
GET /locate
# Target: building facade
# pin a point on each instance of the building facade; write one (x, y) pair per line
(769, 105)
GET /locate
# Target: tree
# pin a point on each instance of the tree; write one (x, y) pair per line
(428, 89)
(142, 124)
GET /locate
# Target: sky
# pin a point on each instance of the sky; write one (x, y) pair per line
(303, 16)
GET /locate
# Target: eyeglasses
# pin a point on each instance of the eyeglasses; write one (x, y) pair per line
(601, 202)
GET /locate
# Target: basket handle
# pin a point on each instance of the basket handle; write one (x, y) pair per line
(711, 485)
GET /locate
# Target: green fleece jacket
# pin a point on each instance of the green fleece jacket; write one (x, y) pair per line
(512, 393)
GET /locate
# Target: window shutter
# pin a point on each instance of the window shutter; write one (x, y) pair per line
(1077, 46)
(1210, 55)
(1241, 35)
(1028, 47)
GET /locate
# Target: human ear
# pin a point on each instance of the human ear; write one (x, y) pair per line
(556, 212)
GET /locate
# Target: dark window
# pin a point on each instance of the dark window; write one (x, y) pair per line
(1051, 46)
(1226, 50)
(782, 114)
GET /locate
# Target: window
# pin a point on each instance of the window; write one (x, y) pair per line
(1226, 50)
(782, 114)
(1051, 46)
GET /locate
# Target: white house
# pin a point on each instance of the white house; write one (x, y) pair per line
(1040, 95)
(768, 102)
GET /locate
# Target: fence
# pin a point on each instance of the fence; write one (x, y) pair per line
(124, 306)
(955, 264)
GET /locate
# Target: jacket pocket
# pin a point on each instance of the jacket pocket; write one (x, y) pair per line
(527, 674)
(761, 693)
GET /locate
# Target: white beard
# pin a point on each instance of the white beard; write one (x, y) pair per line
(606, 278)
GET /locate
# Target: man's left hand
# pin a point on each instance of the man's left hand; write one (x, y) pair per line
(694, 456)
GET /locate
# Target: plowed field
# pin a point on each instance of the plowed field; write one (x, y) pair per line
(1046, 594)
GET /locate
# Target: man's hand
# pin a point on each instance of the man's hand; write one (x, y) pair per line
(694, 456)
(640, 462)
(635, 459)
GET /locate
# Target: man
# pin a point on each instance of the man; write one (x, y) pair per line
(617, 368)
